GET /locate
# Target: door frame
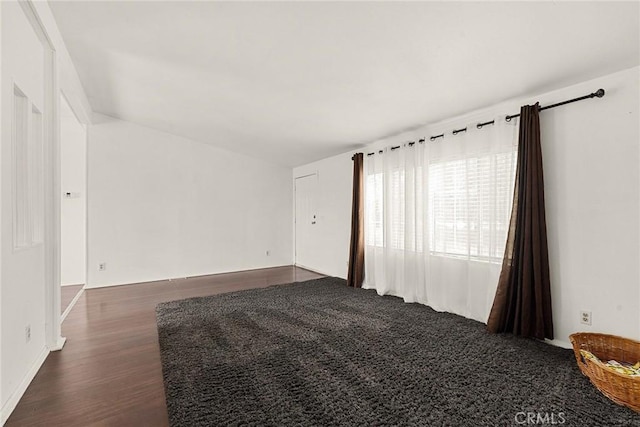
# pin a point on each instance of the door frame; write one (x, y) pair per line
(62, 95)
(51, 173)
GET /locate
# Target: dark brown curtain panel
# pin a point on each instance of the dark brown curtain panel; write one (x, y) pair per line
(356, 246)
(522, 304)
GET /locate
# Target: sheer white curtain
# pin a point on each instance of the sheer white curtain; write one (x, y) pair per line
(436, 218)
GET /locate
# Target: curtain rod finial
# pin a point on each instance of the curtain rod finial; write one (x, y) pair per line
(600, 93)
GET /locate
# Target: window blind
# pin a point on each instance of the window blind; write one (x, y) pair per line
(469, 205)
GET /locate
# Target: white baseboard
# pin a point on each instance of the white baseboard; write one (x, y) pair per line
(59, 344)
(151, 280)
(314, 270)
(15, 397)
(559, 343)
(71, 304)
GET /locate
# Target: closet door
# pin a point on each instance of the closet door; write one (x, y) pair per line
(306, 188)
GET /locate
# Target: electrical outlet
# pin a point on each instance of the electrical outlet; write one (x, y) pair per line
(102, 266)
(585, 317)
(27, 333)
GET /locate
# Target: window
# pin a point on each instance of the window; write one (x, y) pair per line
(469, 205)
(397, 209)
(455, 206)
(437, 216)
(404, 215)
(374, 210)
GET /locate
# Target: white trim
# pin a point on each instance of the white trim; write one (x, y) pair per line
(86, 197)
(15, 397)
(295, 220)
(109, 285)
(559, 343)
(70, 306)
(306, 175)
(58, 345)
(1, 173)
(53, 252)
(313, 270)
(51, 141)
(86, 206)
(75, 114)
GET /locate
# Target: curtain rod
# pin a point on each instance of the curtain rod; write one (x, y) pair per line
(597, 94)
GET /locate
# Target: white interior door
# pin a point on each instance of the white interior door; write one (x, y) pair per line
(306, 188)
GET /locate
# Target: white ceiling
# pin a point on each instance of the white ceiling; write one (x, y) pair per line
(294, 82)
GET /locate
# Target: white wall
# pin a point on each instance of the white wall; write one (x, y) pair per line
(162, 206)
(592, 189)
(73, 210)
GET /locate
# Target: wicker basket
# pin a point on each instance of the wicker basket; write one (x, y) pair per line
(622, 389)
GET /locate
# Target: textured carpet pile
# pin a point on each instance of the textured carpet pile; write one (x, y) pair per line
(319, 353)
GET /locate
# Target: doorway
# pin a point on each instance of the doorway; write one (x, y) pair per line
(73, 207)
(306, 219)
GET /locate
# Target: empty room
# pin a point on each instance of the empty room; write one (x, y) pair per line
(309, 213)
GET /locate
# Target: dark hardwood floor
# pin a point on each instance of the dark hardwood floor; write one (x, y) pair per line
(67, 294)
(109, 372)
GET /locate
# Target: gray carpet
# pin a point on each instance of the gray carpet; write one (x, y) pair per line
(319, 353)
